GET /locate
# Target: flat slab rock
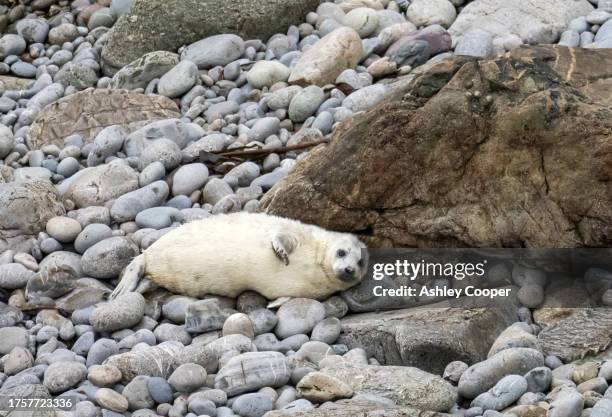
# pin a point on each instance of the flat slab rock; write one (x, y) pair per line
(88, 112)
(357, 409)
(428, 338)
(458, 146)
(585, 332)
(406, 386)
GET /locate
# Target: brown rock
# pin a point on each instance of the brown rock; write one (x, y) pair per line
(88, 112)
(585, 332)
(428, 338)
(357, 408)
(512, 151)
(25, 207)
(319, 387)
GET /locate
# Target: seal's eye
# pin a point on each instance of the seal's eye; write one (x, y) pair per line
(341, 253)
(360, 263)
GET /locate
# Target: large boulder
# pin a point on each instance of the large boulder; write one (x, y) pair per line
(506, 152)
(146, 27)
(25, 207)
(88, 112)
(361, 408)
(534, 21)
(428, 338)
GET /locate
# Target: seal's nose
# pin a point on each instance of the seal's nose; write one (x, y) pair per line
(349, 271)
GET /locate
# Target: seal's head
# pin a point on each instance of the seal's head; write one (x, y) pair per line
(348, 258)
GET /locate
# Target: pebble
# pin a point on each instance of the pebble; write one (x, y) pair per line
(189, 178)
(305, 103)
(178, 80)
(267, 73)
(252, 405)
(326, 331)
(11, 45)
(298, 316)
(123, 312)
(63, 375)
(160, 390)
(214, 50)
(107, 258)
(111, 400)
(477, 43)
(126, 207)
(104, 375)
(90, 235)
(188, 378)
(33, 30)
(63, 229)
(505, 393)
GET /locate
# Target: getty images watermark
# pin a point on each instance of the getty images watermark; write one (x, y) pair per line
(481, 277)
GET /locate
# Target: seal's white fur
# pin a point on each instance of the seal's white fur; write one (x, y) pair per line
(229, 254)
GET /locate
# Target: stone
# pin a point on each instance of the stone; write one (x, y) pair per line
(66, 32)
(144, 28)
(215, 190)
(517, 335)
(591, 327)
(63, 229)
(63, 375)
(252, 405)
(51, 282)
(189, 178)
(188, 378)
(137, 394)
(406, 386)
(535, 21)
(77, 76)
(251, 371)
(86, 113)
(91, 234)
(263, 128)
(138, 73)
(427, 12)
(349, 408)
(111, 400)
(267, 73)
(602, 408)
(25, 207)
(17, 360)
(475, 43)
(205, 316)
(11, 44)
(12, 337)
(305, 103)
(319, 387)
(363, 20)
(107, 258)
(103, 375)
(126, 207)
(121, 313)
(178, 80)
(423, 224)
(321, 64)
(160, 390)
(7, 141)
(298, 316)
(33, 30)
(365, 98)
(326, 331)
(163, 150)
(505, 393)
(415, 48)
(484, 375)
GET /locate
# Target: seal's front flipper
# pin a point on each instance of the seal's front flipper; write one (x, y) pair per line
(130, 277)
(278, 302)
(282, 245)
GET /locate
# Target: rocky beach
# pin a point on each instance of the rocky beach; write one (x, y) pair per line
(408, 123)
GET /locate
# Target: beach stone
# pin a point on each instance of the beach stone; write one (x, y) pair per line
(365, 98)
(267, 73)
(363, 20)
(63, 375)
(96, 185)
(63, 229)
(539, 379)
(188, 378)
(217, 50)
(298, 316)
(137, 394)
(126, 207)
(12, 337)
(516, 335)
(144, 28)
(17, 360)
(505, 393)
(252, 370)
(602, 408)
(305, 103)
(406, 386)
(189, 178)
(91, 234)
(535, 21)
(7, 141)
(238, 323)
(319, 387)
(66, 32)
(475, 43)
(326, 331)
(77, 76)
(25, 207)
(252, 405)
(484, 375)
(138, 73)
(415, 48)
(321, 64)
(215, 190)
(101, 350)
(121, 313)
(11, 44)
(160, 390)
(103, 375)
(427, 13)
(111, 400)
(107, 258)
(333, 169)
(33, 30)
(570, 404)
(14, 275)
(205, 316)
(52, 282)
(88, 112)
(178, 80)
(263, 128)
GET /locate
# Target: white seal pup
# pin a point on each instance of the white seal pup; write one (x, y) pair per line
(229, 254)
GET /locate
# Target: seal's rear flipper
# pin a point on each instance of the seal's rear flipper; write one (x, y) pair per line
(282, 245)
(278, 302)
(130, 277)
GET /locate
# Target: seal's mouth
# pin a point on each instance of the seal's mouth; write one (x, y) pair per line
(347, 275)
